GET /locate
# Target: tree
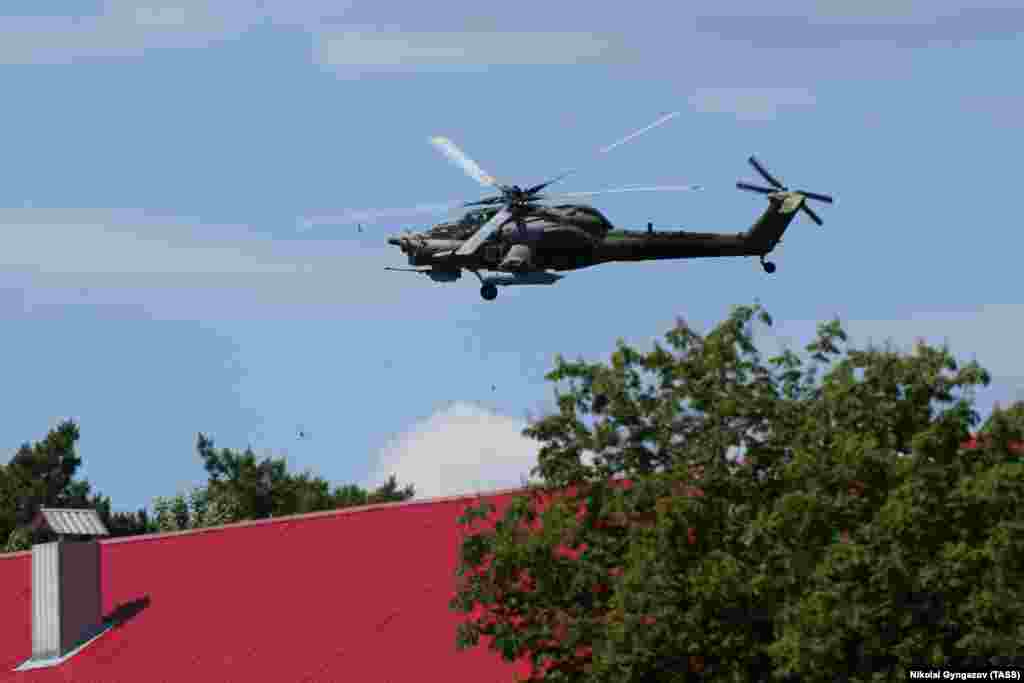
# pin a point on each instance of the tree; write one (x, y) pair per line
(128, 523)
(647, 546)
(42, 474)
(258, 489)
(197, 509)
(240, 487)
(1014, 417)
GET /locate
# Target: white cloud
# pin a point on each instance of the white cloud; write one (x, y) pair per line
(405, 49)
(750, 104)
(910, 25)
(119, 241)
(124, 28)
(120, 31)
(1006, 109)
(463, 448)
(176, 267)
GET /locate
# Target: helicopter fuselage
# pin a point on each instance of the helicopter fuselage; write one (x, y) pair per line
(571, 237)
(567, 230)
(524, 240)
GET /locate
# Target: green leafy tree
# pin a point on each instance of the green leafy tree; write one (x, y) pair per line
(648, 552)
(196, 509)
(42, 474)
(264, 488)
(19, 539)
(128, 523)
(390, 491)
(1012, 415)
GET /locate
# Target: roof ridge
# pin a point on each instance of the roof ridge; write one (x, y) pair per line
(355, 509)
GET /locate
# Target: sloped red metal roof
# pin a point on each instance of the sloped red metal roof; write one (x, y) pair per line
(975, 442)
(349, 595)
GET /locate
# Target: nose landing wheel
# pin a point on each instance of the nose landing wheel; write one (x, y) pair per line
(489, 292)
(768, 266)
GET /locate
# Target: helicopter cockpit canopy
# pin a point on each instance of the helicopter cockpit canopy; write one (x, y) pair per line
(464, 227)
(477, 217)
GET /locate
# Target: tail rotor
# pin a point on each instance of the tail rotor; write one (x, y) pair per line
(777, 186)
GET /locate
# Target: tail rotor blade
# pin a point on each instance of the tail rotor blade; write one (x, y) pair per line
(819, 197)
(779, 187)
(755, 188)
(765, 174)
(814, 217)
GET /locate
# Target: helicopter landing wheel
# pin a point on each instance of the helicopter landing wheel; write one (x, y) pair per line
(489, 292)
(769, 267)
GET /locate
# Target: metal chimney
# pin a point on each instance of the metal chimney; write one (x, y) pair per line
(67, 599)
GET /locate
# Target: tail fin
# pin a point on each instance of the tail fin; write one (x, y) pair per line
(764, 234)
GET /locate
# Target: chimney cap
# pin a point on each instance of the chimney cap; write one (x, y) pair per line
(70, 522)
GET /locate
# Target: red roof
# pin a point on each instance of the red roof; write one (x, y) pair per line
(974, 442)
(359, 594)
(350, 595)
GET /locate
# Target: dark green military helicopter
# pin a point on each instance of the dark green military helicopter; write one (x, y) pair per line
(521, 237)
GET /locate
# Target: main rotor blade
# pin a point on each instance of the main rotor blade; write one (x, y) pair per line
(473, 243)
(351, 216)
(815, 195)
(489, 201)
(764, 173)
(809, 212)
(607, 148)
(755, 188)
(664, 119)
(654, 188)
(456, 156)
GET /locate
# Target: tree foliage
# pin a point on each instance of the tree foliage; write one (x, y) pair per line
(648, 550)
(255, 489)
(197, 509)
(239, 487)
(42, 474)
(1011, 416)
(242, 487)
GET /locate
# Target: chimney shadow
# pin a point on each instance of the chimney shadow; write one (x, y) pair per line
(125, 612)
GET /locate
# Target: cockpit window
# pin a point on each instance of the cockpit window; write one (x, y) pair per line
(477, 217)
(464, 226)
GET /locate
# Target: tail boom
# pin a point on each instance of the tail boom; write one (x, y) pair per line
(764, 234)
(639, 246)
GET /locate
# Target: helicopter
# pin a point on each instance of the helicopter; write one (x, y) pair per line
(520, 237)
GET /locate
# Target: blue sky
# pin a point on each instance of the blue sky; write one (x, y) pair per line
(157, 159)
